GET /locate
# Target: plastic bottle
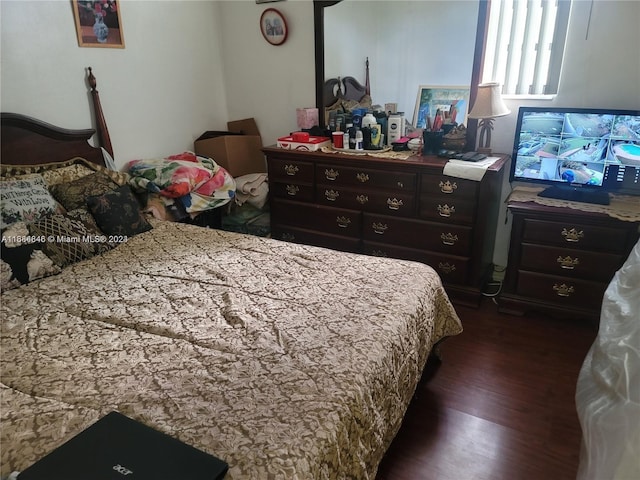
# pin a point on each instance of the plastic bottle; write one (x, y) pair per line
(359, 140)
(352, 136)
(369, 120)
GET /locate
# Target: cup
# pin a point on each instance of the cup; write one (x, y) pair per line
(338, 139)
(432, 142)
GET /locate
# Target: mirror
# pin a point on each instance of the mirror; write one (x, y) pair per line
(408, 43)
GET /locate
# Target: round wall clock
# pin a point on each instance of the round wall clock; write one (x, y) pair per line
(273, 26)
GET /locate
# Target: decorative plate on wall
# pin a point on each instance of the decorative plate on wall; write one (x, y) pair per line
(273, 26)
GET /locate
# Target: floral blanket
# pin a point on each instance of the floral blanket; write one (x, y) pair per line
(197, 182)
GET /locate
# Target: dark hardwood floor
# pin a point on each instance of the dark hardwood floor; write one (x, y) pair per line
(500, 406)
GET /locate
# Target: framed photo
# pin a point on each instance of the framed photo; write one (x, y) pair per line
(98, 23)
(273, 26)
(452, 101)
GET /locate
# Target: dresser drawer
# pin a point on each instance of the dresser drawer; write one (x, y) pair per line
(576, 236)
(562, 291)
(292, 190)
(289, 171)
(396, 203)
(449, 209)
(335, 221)
(452, 269)
(437, 237)
(442, 185)
(569, 262)
(309, 237)
(366, 177)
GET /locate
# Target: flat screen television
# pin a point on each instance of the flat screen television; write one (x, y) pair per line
(579, 154)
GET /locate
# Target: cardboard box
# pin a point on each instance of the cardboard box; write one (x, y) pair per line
(238, 150)
(313, 144)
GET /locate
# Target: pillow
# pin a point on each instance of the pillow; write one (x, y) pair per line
(73, 195)
(118, 212)
(24, 199)
(22, 258)
(13, 170)
(70, 237)
(66, 174)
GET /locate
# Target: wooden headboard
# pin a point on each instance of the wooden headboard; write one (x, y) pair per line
(29, 141)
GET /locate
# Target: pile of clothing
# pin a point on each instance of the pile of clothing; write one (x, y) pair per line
(181, 183)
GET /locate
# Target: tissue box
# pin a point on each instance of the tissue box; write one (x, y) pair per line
(313, 144)
(307, 117)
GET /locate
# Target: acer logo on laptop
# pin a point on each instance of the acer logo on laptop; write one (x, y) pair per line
(122, 470)
(118, 447)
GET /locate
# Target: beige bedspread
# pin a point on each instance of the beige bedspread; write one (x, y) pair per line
(287, 361)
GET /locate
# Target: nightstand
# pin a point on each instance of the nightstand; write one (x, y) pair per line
(563, 254)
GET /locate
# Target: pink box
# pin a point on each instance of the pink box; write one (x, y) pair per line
(314, 143)
(307, 117)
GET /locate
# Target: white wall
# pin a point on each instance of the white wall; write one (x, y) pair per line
(158, 93)
(187, 67)
(265, 81)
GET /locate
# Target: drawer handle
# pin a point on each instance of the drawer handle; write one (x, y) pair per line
(449, 238)
(343, 222)
(288, 237)
(331, 195)
(331, 174)
(379, 253)
(572, 235)
(400, 185)
(292, 190)
(394, 204)
(563, 290)
(567, 262)
(446, 267)
(448, 187)
(362, 177)
(291, 170)
(379, 228)
(362, 199)
(446, 210)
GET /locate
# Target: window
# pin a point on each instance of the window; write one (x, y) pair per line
(525, 45)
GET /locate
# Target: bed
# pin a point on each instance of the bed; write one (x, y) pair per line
(287, 361)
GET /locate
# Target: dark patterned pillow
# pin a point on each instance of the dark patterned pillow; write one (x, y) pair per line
(23, 259)
(70, 237)
(73, 195)
(118, 212)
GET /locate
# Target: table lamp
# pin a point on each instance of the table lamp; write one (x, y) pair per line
(488, 105)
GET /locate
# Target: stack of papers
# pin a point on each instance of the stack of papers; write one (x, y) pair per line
(469, 170)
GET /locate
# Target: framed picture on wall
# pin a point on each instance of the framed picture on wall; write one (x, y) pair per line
(451, 101)
(98, 23)
(273, 26)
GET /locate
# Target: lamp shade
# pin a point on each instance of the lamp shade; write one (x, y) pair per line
(489, 102)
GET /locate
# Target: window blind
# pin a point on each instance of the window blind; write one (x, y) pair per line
(525, 45)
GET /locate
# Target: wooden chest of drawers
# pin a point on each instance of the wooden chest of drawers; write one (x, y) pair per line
(561, 260)
(389, 207)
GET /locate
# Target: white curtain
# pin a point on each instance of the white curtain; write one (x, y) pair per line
(608, 389)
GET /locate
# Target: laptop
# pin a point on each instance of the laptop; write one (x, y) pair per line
(119, 448)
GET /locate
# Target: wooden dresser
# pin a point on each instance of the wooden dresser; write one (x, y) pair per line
(562, 259)
(400, 208)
